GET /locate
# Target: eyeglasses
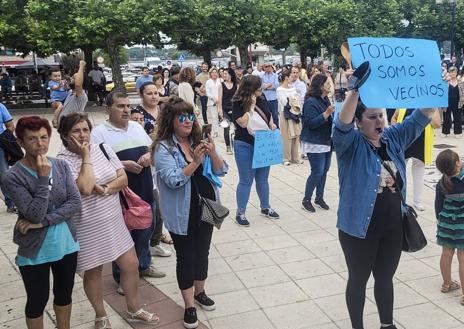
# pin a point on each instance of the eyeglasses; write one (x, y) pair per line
(190, 116)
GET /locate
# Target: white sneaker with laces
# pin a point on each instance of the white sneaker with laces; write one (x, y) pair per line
(419, 206)
(159, 251)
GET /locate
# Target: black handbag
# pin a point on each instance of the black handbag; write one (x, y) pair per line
(11, 148)
(212, 212)
(413, 236)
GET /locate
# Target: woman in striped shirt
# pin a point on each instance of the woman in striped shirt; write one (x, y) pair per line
(101, 230)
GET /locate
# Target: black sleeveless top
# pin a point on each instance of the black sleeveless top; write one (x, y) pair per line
(227, 95)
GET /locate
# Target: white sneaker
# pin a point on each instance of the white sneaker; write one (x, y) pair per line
(419, 207)
(160, 251)
(120, 291)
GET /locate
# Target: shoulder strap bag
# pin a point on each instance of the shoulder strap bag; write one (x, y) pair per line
(413, 236)
(136, 212)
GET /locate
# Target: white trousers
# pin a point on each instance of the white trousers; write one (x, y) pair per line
(418, 171)
(212, 115)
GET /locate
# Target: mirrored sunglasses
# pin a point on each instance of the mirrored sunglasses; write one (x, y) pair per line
(183, 117)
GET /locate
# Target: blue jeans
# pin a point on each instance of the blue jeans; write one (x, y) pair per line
(141, 240)
(3, 169)
(244, 158)
(274, 107)
(320, 164)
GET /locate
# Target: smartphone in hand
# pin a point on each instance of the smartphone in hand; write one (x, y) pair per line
(206, 130)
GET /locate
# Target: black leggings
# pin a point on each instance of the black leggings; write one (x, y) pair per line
(36, 280)
(192, 252)
(379, 253)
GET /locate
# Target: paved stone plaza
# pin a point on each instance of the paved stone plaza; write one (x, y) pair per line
(285, 274)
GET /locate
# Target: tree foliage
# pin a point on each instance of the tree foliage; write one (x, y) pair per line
(203, 26)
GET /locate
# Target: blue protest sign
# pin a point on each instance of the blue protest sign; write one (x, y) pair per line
(268, 148)
(404, 72)
(181, 57)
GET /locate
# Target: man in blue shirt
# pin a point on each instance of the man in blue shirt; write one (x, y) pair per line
(6, 122)
(270, 84)
(146, 77)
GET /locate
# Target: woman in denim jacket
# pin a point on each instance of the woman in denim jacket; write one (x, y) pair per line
(179, 157)
(370, 212)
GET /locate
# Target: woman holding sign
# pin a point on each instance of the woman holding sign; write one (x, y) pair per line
(249, 108)
(369, 213)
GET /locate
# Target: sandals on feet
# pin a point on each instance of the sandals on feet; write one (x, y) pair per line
(450, 287)
(104, 323)
(142, 316)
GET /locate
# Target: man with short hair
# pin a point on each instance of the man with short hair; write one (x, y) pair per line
(172, 87)
(259, 70)
(299, 85)
(232, 65)
(270, 85)
(145, 77)
(201, 90)
(97, 82)
(131, 144)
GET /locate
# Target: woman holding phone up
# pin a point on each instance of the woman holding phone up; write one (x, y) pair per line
(179, 157)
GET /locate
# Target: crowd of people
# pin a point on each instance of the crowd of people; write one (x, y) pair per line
(74, 209)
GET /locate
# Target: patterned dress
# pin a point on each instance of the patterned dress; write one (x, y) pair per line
(101, 230)
(449, 208)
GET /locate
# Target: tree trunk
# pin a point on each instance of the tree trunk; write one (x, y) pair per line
(113, 52)
(207, 56)
(303, 57)
(284, 57)
(244, 55)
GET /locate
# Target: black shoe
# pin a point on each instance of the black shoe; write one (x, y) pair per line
(389, 327)
(270, 213)
(308, 206)
(205, 302)
(322, 204)
(190, 318)
(242, 220)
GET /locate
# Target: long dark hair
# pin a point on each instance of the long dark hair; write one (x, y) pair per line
(446, 164)
(315, 89)
(165, 126)
(233, 76)
(248, 85)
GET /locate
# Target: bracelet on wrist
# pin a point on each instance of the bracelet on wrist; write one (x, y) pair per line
(87, 163)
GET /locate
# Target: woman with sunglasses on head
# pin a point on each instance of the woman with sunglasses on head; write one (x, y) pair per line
(246, 103)
(372, 171)
(179, 157)
(47, 198)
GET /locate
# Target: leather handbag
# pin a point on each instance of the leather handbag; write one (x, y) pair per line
(413, 236)
(212, 212)
(136, 212)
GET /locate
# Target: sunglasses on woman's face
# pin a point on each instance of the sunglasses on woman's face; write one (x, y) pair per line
(183, 117)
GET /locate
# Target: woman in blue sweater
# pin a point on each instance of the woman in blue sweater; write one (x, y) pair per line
(316, 140)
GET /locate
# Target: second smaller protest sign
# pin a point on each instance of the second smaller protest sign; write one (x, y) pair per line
(268, 148)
